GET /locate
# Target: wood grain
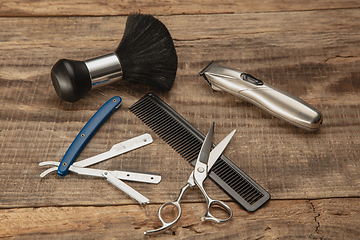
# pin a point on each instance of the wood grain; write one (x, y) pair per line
(309, 50)
(162, 7)
(269, 150)
(300, 219)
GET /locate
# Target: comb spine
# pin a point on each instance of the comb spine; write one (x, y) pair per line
(225, 173)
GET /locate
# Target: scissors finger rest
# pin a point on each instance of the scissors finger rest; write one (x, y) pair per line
(203, 164)
(208, 216)
(165, 224)
(175, 203)
(222, 206)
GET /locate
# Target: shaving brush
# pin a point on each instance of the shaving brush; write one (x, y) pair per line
(146, 55)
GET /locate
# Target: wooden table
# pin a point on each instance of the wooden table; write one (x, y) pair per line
(311, 50)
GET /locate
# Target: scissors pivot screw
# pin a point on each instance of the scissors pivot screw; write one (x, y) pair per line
(204, 162)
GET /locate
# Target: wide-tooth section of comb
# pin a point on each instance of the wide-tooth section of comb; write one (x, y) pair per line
(187, 141)
(236, 182)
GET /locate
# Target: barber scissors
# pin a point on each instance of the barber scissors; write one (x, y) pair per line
(204, 162)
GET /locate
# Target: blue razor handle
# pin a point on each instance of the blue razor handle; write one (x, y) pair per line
(87, 132)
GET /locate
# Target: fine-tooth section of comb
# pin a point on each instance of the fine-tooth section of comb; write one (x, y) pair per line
(187, 141)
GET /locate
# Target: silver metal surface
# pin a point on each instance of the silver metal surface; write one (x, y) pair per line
(104, 69)
(198, 177)
(125, 188)
(275, 101)
(113, 176)
(218, 150)
(115, 150)
(123, 175)
(206, 146)
(176, 203)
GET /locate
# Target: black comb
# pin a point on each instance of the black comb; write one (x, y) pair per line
(187, 141)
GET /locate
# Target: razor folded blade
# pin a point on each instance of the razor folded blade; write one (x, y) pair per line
(113, 177)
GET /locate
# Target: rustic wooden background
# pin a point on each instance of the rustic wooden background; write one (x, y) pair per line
(310, 49)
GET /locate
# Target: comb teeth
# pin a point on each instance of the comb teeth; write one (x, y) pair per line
(187, 141)
(184, 143)
(236, 182)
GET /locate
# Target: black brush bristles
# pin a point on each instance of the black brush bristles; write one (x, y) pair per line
(147, 53)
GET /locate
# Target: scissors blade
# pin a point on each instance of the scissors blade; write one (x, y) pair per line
(206, 146)
(218, 150)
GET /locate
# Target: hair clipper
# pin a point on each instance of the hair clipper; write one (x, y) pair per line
(275, 101)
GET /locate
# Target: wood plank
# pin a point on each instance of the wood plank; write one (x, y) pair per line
(316, 59)
(163, 7)
(300, 219)
(333, 215)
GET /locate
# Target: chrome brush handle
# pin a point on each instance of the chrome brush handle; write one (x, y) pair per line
(104, 69)
(73, 79)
